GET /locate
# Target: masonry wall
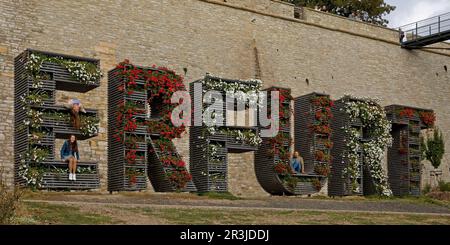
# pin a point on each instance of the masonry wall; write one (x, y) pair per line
(252, 38)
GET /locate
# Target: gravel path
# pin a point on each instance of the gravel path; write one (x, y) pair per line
(187, 200)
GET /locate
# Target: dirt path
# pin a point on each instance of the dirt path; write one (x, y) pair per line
(269, 203)
(124, 214)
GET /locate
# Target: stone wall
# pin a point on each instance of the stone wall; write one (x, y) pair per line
(322, 53)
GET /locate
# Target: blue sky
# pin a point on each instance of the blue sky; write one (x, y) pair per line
(409, 11)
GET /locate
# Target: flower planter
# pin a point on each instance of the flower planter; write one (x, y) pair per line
(286, 128)
(414, 177)
(236, 145)
(49, 85)
(415, 128)
(136, 95)
(64, 80)
(356, 123)
(305, 188)
(214, 167)
(140, 183)
(414, 141)
(46, 140)
(397, 119)
(218, 186)
(43, 88)
(139, 146)
(61, 181)
(140, 130)
(217, 137)
(415, 192)
(64, 129)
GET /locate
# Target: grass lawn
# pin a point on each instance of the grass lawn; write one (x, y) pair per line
(43, 213)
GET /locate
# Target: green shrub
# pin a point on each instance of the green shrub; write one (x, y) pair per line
(434, 148)
(9, 201)
(444, 186)
(427, 189)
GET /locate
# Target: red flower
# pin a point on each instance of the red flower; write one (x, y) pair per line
(428, 118)
(407, 112)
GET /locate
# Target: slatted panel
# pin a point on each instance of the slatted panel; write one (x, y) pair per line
(20, 131)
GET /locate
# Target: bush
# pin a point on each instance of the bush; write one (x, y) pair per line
(434, 148)
(444, 186)
(9, 201)
(427, 189)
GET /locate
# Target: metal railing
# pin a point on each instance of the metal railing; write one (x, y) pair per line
(425, 28)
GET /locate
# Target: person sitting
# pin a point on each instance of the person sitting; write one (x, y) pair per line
(297, 163)
(75, 106)
(70, 154)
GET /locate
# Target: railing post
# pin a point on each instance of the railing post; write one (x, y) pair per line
(417, 28)
(439, 24)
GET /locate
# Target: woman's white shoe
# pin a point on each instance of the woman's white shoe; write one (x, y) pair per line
(70, 176)
(74, 177)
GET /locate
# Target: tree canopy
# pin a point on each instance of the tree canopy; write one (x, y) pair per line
(371, 11)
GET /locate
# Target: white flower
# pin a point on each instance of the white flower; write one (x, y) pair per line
(372, 116)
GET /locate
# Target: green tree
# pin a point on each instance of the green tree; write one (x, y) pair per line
(434, 148)
(371, 11)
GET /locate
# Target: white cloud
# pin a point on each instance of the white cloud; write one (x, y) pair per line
(415, 10)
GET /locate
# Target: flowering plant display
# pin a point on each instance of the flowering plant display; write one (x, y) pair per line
(322, 169)
(251, 88)
(35, 97)
(213, 152)
(373, 118)
(34, 118)
(173, 162)
(280, 145)
(89, 125)
(321, 116)
(317, 184)
(132, 156)
(31, 167)
(85, 72)
(246, 136)
(179, 177)
(32, 174)
(160, 84)
(428, 118)
(283, 169)
(133, 174)
(285, 111)
(407, 112)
